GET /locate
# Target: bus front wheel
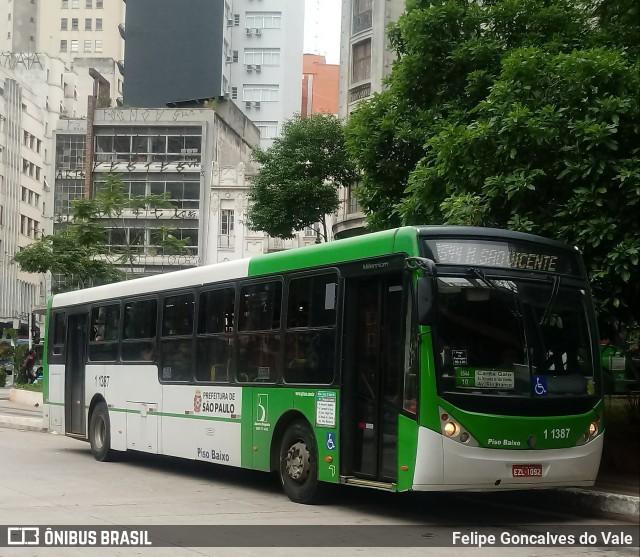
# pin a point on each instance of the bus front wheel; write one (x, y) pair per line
(100, 433)
(299, 464)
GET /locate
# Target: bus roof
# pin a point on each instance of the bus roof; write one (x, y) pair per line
(376, 244)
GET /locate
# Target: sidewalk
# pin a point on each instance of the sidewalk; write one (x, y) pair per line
(615, 494)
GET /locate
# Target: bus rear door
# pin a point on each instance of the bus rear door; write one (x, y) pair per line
(75, 374)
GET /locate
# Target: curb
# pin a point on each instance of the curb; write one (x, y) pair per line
(592, 501)
(25, 424)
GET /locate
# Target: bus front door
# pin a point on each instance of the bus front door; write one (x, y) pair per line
(74, 374)
(374, 343)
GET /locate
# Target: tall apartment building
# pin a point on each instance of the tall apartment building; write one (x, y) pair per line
(249, 51)
(365, 60)
(82, 33)
(32, 96)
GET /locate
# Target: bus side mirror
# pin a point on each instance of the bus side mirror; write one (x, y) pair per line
(425, 300)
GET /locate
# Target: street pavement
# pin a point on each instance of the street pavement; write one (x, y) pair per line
(614, 495)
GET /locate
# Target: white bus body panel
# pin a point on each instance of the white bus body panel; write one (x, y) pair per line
(202, 423)
(444, 464)
(54, 409)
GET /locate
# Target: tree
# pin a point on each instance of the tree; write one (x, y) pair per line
(299, 176)
(80, 253)
(520, 114)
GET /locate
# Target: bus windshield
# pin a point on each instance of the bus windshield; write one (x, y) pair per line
(513, 338)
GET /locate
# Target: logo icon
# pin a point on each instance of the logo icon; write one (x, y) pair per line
(540, 387)
(197, 401)
(331, 441)
(23, 536)
(262, 408)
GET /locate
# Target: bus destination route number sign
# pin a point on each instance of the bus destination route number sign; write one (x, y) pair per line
(506, 255)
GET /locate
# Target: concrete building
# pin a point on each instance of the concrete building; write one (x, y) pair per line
(32, 96)
(249, 51)
(155, 151)
(365, 60)
(320, 86)
(81, 33)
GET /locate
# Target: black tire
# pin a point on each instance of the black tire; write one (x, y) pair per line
(299, 464)
(100, 433)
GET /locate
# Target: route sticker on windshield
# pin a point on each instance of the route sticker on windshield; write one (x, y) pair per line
(459, 357)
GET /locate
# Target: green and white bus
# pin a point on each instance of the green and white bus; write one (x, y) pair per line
(422, 358)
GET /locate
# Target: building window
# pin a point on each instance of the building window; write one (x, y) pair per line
(74, 24)
(87, 45)
(361, 65)
(98, 45)
(65, 4)
(88, 4)
(87, 24)
(263, 20)
(99, 4)
(74, 45)
(234, 93)
(226, 222)
(262, 56)
(98, 24)
(75, 4)
(64, 24)
(260, 93)
(268, 130)
(362, 15)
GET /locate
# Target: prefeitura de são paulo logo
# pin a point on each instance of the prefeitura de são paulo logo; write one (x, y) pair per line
(197, 401)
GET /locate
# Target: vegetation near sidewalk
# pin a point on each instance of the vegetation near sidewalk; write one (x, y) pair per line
(37, 388)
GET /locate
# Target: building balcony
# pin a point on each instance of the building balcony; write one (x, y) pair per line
(360, 92)
(226, 241)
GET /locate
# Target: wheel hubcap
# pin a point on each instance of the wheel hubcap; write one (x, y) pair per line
(297, 462)
(100, 432)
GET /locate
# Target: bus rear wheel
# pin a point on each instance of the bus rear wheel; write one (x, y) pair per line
(299, 464)
(100, 433)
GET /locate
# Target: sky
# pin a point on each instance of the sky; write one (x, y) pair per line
(322, 28)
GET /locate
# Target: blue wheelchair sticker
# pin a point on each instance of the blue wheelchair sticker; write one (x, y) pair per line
(539, 386)
(331, 441)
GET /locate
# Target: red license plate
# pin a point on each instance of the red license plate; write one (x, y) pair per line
(526, 470)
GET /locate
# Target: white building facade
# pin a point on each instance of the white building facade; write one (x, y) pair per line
(365, 60)
(79, 32)
(263, 49)
(32, 96)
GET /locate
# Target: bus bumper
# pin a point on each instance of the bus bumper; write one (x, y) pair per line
(444, 464)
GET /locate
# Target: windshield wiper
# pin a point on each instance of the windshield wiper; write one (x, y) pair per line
(552, 299)
(483, 278)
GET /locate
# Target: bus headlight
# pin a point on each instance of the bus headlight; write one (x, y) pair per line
(453, 430)
(590, 434)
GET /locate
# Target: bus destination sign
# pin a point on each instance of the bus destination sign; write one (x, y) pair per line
(507, 255)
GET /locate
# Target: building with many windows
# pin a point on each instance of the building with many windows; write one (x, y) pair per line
(365, 60)
(319, 86)
(82, 33)
(32, 96)
(245, 50)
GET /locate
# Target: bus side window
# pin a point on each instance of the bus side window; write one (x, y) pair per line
(259, 338)
(176, 346)
(59, 333)
(105, 333)
(139, 330)
(215, 335)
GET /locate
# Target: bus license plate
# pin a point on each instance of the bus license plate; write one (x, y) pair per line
(526, 470)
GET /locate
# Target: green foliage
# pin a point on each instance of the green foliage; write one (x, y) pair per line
(519, 114)
(3, 377)
(16, 354)
(299, 176)
(37, 388)
(79, 251)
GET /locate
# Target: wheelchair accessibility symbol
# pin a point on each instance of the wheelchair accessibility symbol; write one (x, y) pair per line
(540, 387)
(331, 441)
